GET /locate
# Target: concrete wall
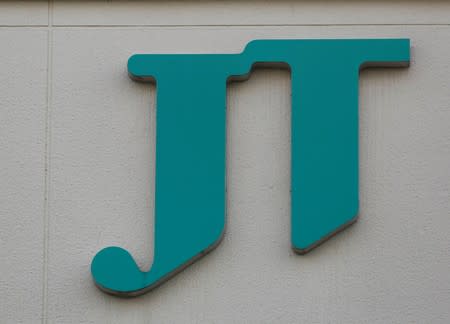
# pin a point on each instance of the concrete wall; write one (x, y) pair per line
(77, 166)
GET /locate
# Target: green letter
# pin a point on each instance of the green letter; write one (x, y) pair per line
(190, 147)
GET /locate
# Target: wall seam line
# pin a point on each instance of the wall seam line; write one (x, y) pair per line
(47, 161)
(112, 26)
(244, 25)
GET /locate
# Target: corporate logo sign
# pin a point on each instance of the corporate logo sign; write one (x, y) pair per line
(190, 147)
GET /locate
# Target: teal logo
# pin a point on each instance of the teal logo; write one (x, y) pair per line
(190, 147)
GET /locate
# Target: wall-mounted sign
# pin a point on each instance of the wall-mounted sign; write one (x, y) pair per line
(190, 147)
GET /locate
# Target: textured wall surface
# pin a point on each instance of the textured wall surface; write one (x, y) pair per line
(77, 166)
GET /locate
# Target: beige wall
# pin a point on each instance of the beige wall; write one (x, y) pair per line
(77, 166)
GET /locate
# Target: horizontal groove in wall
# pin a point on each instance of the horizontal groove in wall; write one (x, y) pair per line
(225, 13)
(235, 12)
(201, 26)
